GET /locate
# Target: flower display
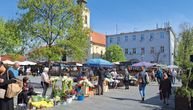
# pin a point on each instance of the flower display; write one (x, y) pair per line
(86, 82)
(66, 83)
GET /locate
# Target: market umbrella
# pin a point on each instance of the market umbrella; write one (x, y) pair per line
(160, 65)
(8, 62)
(97, 62)
(172, 66)
(27, 63)
(140, 64)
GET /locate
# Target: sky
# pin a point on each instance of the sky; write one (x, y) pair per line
(118, 16)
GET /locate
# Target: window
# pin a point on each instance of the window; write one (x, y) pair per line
(151, 36)
(126, 51)
(152, 50)
(134, 50)
(162, 49)
(85, 19)
(142, 37)
(118, 40)
(162, 35)
(134, 37)
(111, 40)
(142, 51)
(126, 38)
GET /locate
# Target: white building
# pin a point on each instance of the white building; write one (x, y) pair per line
(156, 45)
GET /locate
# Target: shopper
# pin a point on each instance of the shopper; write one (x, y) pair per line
(45, 81)
(143, 80)
(101, 73)
(127, 78)
(165, 88)
(6, 103)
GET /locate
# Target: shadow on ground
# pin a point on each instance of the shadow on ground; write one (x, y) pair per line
(124, 99)
(153, 103)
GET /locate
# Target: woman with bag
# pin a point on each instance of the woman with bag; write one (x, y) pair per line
(5, 103)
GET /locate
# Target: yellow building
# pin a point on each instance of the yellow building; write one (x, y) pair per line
(97, 45)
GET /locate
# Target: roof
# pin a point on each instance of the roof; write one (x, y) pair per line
(98, 38)
(11, 58)
(151, 30)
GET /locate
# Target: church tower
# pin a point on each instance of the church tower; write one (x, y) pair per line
(86, 13)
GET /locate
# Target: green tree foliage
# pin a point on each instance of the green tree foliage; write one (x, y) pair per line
(10, 38)
(114, 53)
(185, 46)
(57, 25)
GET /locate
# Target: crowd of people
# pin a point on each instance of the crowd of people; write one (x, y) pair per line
(165, 79)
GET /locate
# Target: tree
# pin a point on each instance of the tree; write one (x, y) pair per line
(114, 53)
(57, 25)
(10, 37)
(185, 47)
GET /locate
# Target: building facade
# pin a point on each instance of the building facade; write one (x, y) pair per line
(97, 46)
(157, 45)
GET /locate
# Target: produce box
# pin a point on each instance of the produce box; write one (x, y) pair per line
(105, 88)
(85, 90)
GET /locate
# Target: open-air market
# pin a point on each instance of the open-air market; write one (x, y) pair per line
(96, 55)
(77, 82)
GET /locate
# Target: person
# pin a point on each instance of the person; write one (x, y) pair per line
(174, 74)
(159, 75)
(114, 76)
(143, 80)
(153, 76)
(79, 74)
(45, 81)
(126, 78)
(165, 89)
(101, 74)
(27, 91)
(6, 103)
(14, 70)
(20, 71)
(90, 74)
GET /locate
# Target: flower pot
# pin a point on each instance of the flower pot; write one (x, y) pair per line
(182, 103)
(80, 98)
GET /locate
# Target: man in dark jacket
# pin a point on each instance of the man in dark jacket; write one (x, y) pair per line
(101, 73)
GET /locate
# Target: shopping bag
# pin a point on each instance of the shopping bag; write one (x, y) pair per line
(14, 89)
(2, 93)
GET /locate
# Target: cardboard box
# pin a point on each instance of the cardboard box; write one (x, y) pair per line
(105, 88)
(85, 90)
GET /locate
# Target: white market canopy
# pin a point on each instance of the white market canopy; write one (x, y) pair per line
(8, 62)
(172, 66)
(26, 63)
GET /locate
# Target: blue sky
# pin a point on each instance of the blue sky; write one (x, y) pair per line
(128, 15)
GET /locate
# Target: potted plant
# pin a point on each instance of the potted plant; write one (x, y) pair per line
(80, 96)
(183, 94)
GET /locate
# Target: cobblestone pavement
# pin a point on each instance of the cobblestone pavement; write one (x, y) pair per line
(117, 99)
